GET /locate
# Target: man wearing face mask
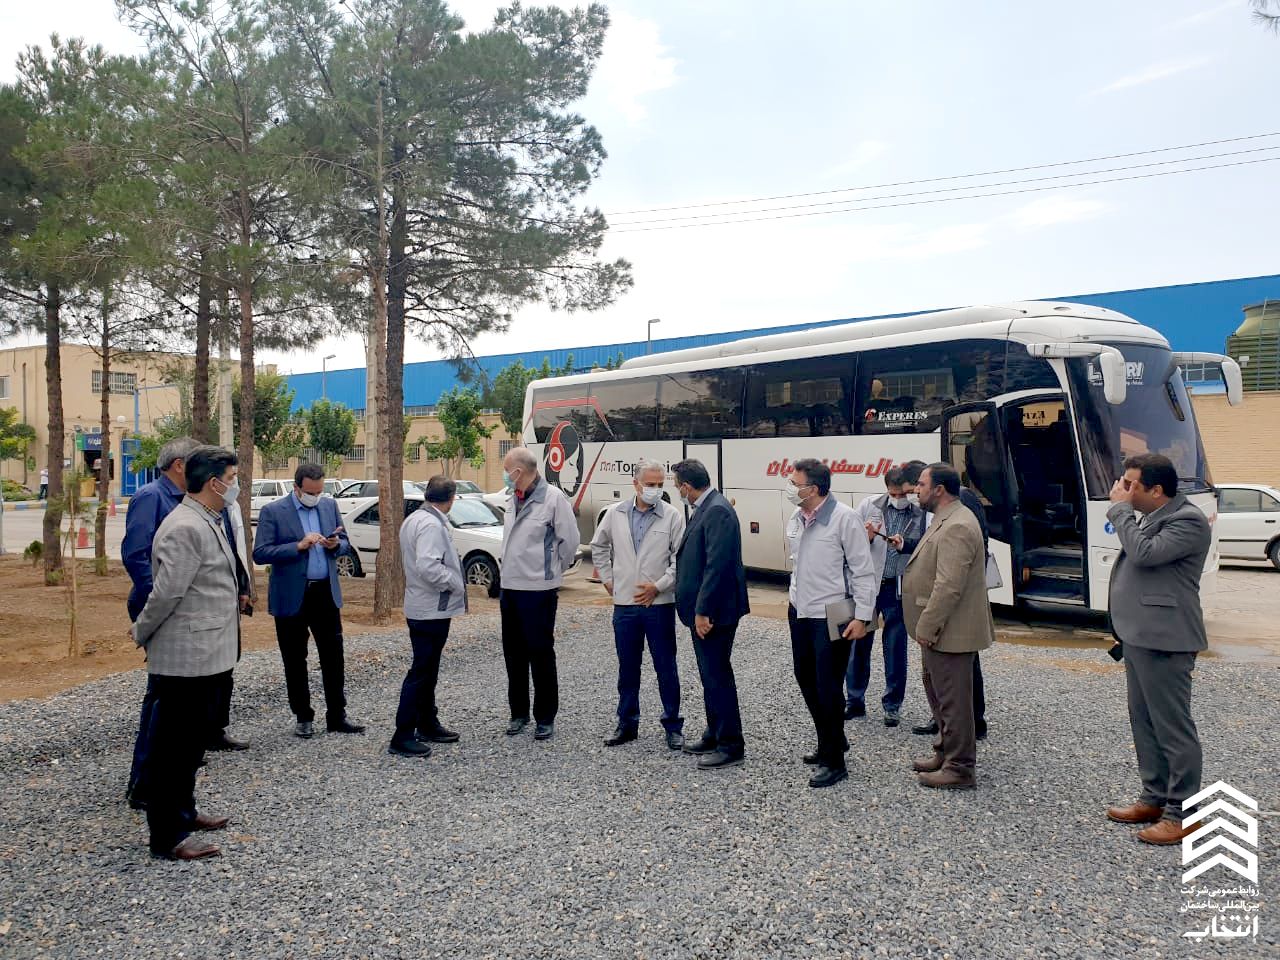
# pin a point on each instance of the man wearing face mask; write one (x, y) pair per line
(190, 629)
(634, 552)
(301, 537)
(831, 562)
(895, 526)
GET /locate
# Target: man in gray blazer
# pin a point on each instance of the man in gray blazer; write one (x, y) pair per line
(190, 629)
(1155, 614)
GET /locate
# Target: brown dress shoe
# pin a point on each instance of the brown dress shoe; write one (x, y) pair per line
(1165, 833)
(929, 764)
(193, 848)
(1135, 813)
(946, 780)
(205, 822)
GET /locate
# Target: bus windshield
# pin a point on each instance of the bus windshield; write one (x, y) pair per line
(1156, 417)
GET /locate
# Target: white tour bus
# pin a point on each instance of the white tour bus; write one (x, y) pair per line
(1036, 404)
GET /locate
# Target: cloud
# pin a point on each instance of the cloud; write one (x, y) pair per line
(862, 154)
(633, 65)
(1158, 71)
(1052, 210)
(1209, 13)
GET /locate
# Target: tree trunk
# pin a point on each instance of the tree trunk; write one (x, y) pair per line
(247, 406)
(226, 415)
(391, 415)
(200, 383)
(104, 460)
(53, 383)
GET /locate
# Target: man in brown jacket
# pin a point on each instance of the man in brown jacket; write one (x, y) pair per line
(944, 602)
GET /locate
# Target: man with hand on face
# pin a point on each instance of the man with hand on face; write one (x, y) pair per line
(711, 597)
(1156, 615)
(301, 537)
(831, 562)
(634, 553)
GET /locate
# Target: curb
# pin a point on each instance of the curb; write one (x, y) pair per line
(11, 505)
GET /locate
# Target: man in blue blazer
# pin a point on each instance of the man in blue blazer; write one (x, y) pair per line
(711, 597)
(301, 537)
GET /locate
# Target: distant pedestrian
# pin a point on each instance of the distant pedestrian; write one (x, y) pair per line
(1156, 616)
(634, 552)
(44, 483)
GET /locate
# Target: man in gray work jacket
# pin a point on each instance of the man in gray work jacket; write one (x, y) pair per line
(634, 553)
(1155, 613)
(539, 543)
(434, 593)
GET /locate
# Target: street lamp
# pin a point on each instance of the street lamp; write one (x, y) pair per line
(323, 373)
(649, 336)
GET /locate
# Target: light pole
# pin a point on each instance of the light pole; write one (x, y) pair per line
(649, 335)
(323, 374)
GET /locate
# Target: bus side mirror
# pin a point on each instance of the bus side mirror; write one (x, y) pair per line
(1110, 364)
(1234, 380)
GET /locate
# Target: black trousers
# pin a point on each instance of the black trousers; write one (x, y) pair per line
(321, 618)
(181, 711)
(819, 664)
(219, 719)
(979, 695)
(528, 647)
(418, 692)
(720, 688)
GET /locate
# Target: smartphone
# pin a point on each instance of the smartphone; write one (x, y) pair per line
(1116, 652)
(248, 610)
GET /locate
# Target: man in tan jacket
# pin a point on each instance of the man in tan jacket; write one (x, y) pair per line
(944, 602)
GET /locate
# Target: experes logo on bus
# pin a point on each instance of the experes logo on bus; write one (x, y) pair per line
(1133, 371)
(784, 467)
(562, 461)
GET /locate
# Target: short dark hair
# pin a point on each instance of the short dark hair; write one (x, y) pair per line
(441, 489)
(307, 471)
(944, 475)
(816, 472)
(693, 473)
(896, 477)
(1154, 470)
(912, 469)
(206, 462)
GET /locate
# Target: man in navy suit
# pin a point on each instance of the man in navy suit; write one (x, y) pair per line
(711, 597)
(301, 537)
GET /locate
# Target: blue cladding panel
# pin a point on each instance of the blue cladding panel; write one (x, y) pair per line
(1193, 316)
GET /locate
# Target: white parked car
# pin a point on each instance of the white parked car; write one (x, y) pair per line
(359, 489)
(469, 488)
(264, 491)
(477, 533)
(335, 485)
(501, 500)
(1249, 522)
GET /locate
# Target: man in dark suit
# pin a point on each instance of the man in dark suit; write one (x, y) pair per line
(711, 597)
(301, 537)
(1155, 613)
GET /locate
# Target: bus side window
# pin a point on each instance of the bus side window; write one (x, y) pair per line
(701, 406)
(905, 389)
(800, 398)
(629, 407)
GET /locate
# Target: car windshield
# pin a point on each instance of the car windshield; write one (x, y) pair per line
(473, 513)
(1156, 417)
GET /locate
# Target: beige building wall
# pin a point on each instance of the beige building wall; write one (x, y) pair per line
(22, 386)
(1242, 443)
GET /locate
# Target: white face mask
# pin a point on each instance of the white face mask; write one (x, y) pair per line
(792, 495)
(913, 497)
(900, 503)
(231, 493)
(650, 495)
(308, 499)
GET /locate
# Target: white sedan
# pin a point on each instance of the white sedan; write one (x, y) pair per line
(1249, 522)
(477, 533)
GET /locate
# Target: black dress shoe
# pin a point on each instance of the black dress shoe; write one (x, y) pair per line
(811, 758)
(719, 758)
(853, 710)
(675, 740)
(305, 729)
(438, 734)
(224, 742)
(345, 725)
(981, 733)
(828, 776)
(517, 725)
(544, 731)
(892, 718)
(620, 736)
(926, 729)
(699, 747)
(412, 747)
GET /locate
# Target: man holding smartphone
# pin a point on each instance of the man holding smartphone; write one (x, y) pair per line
(301, 537)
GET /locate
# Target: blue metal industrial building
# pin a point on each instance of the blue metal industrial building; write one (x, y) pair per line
(1193, 316)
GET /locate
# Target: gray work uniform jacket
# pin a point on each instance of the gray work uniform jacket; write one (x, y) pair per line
(433, 585)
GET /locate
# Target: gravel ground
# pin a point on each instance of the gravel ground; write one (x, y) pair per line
(500, 847)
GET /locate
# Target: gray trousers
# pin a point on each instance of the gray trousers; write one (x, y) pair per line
(1169, 757)
(948, 683)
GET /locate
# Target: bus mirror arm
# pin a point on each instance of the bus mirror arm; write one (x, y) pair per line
(1110, 363)
(1231, 376)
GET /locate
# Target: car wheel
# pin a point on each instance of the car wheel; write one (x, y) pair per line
(349, 566)
(481, 571)
(1274, 554)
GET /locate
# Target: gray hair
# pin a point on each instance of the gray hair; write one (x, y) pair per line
(179, 448)
(521, 457)
(643, 465)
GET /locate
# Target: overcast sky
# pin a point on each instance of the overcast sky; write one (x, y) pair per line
(705, 101)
